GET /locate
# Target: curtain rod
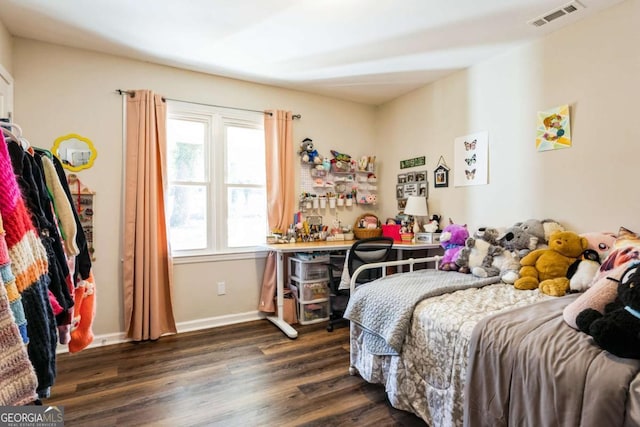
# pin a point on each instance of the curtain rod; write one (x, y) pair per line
(130, 93)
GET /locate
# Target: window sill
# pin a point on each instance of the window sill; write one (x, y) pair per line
(255, 253)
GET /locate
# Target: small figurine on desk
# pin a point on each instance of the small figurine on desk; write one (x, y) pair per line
(433, 226)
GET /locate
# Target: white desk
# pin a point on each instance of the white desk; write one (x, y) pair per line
(282, 248)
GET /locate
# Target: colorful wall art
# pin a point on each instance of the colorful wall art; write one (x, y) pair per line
(554, 129)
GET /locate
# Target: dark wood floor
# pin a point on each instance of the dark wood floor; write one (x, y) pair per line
(249, 374)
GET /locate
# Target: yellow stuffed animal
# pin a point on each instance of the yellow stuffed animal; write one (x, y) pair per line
(547, 268)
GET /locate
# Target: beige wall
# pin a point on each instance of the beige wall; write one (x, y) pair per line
(6, 49)
(594, 66)
(61, 90)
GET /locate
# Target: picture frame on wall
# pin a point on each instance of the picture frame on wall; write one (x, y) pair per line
(411, 189)
(423, 189)
(421, 176)
(402, 178)
(399, 191)
(411, 177)
(402, 203)
(441, 176)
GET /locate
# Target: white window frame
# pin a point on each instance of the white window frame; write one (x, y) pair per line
(216, 120)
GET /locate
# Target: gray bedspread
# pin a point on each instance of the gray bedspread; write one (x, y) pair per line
(527, 367)
(384, 308)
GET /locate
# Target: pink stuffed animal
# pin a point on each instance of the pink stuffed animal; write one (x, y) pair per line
(581, 273)
(452, 240)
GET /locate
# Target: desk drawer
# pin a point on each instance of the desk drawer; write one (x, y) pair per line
(309, 270)
(309, 291)
(313, 313)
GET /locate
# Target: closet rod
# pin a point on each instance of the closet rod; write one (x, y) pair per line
(130, 93)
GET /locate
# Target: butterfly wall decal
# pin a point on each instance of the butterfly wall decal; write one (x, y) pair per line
(471, 160)
(470, 145)
(471, 174)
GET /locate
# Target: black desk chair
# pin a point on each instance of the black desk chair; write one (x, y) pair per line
(365, 251)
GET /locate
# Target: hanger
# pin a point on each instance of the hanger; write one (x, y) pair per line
(10, 134)
(18, 138)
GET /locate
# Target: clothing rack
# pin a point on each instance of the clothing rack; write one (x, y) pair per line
(48, 301)
(131, 93)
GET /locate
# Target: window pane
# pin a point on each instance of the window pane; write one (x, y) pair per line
(185, 140)
(245, 156)
(246, 216)
(187, 216)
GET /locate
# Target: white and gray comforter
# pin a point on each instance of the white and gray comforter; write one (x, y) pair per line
(383, 308)
(428, 377)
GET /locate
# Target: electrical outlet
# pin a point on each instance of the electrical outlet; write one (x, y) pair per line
(221, 288)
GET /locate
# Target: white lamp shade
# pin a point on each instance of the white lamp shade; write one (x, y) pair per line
(416, 206)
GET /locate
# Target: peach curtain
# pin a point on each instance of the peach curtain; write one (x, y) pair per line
(279, 152)
(147, 267)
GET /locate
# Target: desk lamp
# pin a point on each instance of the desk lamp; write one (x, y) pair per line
(416, 206)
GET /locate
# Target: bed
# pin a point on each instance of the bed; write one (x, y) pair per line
(459, 340)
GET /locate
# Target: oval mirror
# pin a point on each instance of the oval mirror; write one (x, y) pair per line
(75, 152)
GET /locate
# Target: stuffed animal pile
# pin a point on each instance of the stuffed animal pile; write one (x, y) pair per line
(493, 253)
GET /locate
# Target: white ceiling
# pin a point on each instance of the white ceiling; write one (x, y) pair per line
(368, 51)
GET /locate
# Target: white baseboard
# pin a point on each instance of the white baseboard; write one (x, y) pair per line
(188, 326)
(214, 322)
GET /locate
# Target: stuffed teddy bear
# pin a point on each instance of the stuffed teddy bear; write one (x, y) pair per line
(452, 239)
(540, 229)
(546, 269)
(475, 253)
(618, 329)
(308, 154)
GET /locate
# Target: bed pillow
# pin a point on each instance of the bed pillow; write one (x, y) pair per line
(604, 287)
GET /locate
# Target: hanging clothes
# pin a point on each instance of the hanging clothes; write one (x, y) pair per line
(29, 265)
(18, 380)
(82, 261)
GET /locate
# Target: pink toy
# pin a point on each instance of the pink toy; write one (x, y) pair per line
(452, 240)
(601, 242)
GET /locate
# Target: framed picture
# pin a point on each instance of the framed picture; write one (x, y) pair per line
(411, 177)
(471, 159)
(421, 176)
(402, 203)
(399, 191)
(411, 189)
(402, 178)
(441, 176)
(423, 189)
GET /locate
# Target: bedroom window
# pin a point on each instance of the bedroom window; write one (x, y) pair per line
(216, 195)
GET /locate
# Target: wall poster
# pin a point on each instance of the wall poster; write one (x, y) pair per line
(471, 159)
(553, 131)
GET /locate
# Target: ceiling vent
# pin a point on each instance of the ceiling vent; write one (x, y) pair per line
(552, 15)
